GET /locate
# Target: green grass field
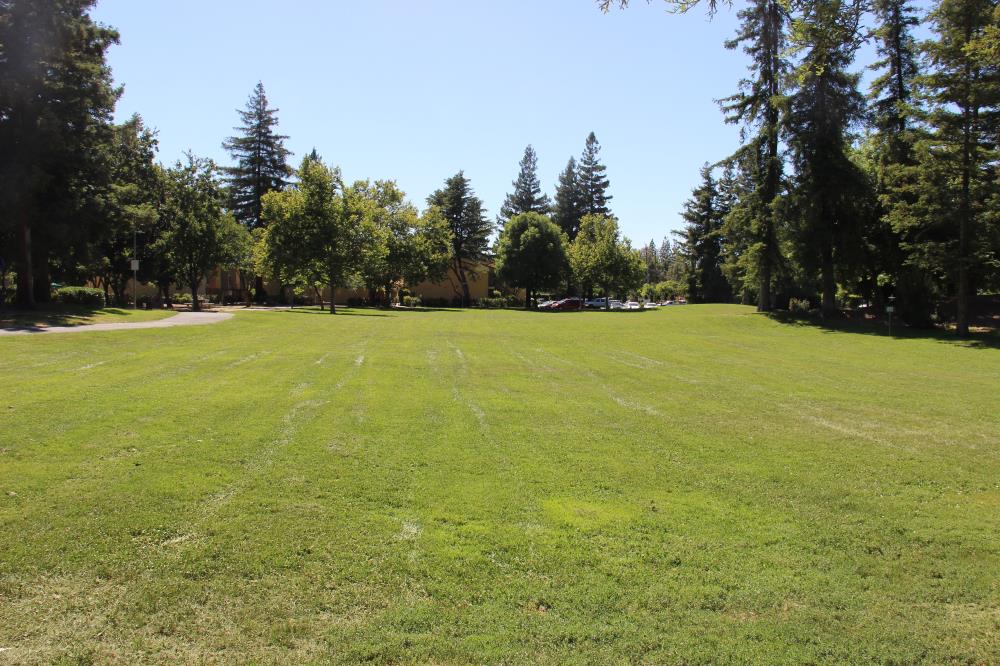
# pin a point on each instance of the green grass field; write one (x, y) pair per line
(69, 315)
(697, 484)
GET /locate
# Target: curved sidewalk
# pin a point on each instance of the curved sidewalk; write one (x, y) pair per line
(179, 319)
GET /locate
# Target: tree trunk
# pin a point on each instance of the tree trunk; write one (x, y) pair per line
(527, 298)
(388, 295)
(245, 287)
(464, 282)
(117, 291)
(333, 290)
(829, 282)
(195, 303)
(965, 211)
(165, 290)
(43, 279)
(764, 292)
(259, 288)
(25, 272)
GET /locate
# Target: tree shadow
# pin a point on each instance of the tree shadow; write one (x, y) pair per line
(49, 315)
(429, 309)
(341, 311)
(878, 328)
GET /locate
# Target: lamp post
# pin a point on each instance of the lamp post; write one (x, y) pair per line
(889, 309)
(135, 266)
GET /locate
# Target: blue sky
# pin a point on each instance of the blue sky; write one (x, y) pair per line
(415, 91)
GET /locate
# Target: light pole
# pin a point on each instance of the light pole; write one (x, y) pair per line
(135, 266)
(889, 310)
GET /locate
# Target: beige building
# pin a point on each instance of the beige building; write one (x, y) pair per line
(227, 284)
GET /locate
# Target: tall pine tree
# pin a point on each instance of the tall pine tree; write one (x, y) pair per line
(592, 181)
(951, 226)
(261, 159)
(527, 196)
(891, 156)
(568, 209)
(704, 216)
(470, 230)
(823, 107)
(56, 101)
(758, 105)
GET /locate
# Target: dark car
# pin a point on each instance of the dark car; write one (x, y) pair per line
(567, 304)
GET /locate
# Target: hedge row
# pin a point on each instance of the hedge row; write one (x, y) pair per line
(88, 296)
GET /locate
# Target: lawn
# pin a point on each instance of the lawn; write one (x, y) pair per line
(696, 484)
(75, 315)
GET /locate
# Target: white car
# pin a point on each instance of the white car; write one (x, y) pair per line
(595, 303)
(652, 304)
(616, 305)
(633, 305)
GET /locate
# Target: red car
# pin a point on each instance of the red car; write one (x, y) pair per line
(567, 304)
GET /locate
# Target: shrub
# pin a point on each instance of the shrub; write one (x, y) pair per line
(799, 305)
(88, 296)
(182, 299)
(491, 303)
(411, 301)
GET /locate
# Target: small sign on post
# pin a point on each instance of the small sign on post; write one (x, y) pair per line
(135, 264)
(890, 309)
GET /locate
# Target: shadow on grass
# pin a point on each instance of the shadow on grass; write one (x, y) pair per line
(341, 311)
(51, 315)
(878, 328)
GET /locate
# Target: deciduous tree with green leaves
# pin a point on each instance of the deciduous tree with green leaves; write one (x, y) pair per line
(319, 233)
(531, 254)
(200, 236)
(130, 205)
(600, 257)
(416, 248)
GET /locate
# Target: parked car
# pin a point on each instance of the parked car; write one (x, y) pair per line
(615, 304)
(652, 304)
(666, 303)
(681, 301)
(544, 305)
(567, 304)
(597, 303)
(633, 305)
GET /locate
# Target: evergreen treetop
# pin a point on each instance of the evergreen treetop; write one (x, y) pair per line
(568, 208)
(261, 159)
(470, 230)
(527, 196)
(593, 182)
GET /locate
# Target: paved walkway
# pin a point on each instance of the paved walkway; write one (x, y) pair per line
(179, 319)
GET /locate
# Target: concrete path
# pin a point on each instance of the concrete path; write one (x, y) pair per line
(179, 319)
